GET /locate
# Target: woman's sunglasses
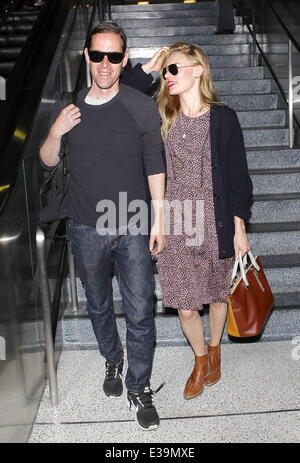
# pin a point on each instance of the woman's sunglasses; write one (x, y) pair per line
(114, 57)
(173, 69)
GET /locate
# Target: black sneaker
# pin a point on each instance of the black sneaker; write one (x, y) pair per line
(146, 415)
(113, 385)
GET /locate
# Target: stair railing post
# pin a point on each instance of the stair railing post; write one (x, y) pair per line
(253, 4)
(72, 273)
(46, 309)
(291, 103)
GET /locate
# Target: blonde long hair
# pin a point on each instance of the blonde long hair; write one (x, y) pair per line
(169, 105)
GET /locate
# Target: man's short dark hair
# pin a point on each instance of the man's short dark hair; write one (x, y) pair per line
(108, 27)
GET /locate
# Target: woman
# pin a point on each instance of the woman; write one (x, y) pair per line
(206, 162)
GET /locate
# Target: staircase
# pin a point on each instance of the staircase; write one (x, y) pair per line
(274, 229)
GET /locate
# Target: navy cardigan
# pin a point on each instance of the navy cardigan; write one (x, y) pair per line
(232, 185)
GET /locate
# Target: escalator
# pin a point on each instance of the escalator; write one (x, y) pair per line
(44, 67)
(14, 32)
(17, 19)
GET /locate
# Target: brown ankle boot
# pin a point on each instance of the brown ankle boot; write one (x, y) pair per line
(196, 382)
(214, 365)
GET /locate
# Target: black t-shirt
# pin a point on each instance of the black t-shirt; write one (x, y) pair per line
(113, 149)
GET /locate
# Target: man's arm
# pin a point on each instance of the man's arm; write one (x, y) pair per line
(139, 77)
(68, 118)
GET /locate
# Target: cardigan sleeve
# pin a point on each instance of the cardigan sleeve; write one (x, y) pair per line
(137, 78)
(239, 182)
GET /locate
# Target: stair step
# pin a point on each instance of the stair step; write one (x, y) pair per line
(155, 14)
(10, 54)
(267, 118)
(136, 54)
(273, 159)
(202, 39)
(251, 102)
(17, 18)
(276, 183)
(78, 332)
(219, 73)
(273, 227)
(15, 29)
(130, 24)
(276, 210)
(244, 73)
(171, 26)
(281, 260)
(273, 243)
(6, 68)
(211, 50)
(12, 40)
(266, 137)
(283, 279)
(203, 6)
(240, 87)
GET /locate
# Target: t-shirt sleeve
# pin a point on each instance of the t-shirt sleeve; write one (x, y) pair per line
(137, 78)
(153, 146)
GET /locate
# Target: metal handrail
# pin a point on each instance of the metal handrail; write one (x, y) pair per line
(291, 41)
(46, 307)
(287, 31)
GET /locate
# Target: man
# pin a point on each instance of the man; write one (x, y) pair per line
(114, 141)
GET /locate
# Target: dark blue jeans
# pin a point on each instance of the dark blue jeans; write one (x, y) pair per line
(95, 257)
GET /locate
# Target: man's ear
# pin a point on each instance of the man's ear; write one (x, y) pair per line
(86, 54)
(125, 59)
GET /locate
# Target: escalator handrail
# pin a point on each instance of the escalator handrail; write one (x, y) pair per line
(32, 67)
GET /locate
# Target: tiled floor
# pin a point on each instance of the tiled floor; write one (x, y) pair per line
(257, 399)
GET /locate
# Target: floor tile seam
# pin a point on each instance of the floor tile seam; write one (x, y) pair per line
(173, 418)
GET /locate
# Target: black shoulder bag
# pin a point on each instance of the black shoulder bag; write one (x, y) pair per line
(55, 182)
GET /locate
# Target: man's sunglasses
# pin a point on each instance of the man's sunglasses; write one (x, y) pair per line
(114, 57)
(173, 69)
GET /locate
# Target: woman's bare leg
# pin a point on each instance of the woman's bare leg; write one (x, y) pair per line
(192, 327)
(217, 318)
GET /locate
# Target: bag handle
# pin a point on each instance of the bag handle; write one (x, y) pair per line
(242, 263)
(253, 261)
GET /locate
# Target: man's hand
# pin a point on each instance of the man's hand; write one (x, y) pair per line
(155, 64)
(68, 118)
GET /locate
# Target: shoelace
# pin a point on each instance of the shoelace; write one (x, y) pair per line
(112, 371)
(146, 398)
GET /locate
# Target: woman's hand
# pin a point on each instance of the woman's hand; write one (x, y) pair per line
(240, 241)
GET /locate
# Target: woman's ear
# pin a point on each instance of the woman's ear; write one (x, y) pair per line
(198, 71)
